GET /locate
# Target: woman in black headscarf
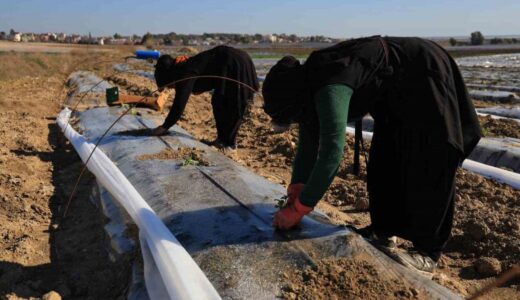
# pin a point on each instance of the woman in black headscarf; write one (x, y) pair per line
(425, 125)
(230, 99)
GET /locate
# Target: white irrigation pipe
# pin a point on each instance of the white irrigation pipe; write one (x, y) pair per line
(500, 175)
(182, 277)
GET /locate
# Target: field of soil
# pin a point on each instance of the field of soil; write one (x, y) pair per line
(41, 252)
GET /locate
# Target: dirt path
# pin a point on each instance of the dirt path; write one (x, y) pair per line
(39, 252)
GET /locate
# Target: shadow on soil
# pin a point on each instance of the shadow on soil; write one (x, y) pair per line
(80, 267)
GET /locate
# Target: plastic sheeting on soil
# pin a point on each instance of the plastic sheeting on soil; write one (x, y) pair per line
(500, 175)
(508, 112)
(125, 68)
(180, 275)
(84, 81)
(486, 61)
(512, 89)
(497, 117)
(222, 213)
(494, 96)
(498, 152)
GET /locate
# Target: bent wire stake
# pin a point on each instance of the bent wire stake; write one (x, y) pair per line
(181, 276)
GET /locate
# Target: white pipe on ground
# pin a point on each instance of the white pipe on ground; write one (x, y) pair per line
(181, 276)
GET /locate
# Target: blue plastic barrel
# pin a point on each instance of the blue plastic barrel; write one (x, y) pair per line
(146, 54)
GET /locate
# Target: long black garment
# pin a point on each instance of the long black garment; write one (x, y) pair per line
(229, 98)
(425, 124)
(422, 85)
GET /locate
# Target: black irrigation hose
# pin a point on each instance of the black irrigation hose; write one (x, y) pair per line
(171, 84)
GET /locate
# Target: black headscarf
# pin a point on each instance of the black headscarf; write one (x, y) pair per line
(163, 74)
(284, 91)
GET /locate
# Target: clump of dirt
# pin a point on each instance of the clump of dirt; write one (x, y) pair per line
(499, 127)
(346, 278)
(486, 224)
(483, 104)
(188, 156)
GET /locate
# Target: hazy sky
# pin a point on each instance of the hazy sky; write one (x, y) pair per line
(337, 18)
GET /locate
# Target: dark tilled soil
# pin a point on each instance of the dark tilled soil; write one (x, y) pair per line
(346, 278)
(499, 127)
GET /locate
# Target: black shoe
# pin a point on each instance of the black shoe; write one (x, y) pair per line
(215, 143)
(418, 261)
(222, 145)
(383, 242)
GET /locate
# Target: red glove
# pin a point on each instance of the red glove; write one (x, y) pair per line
(291, 215)
(293, 192)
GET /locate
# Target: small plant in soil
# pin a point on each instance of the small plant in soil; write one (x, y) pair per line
(190, 161)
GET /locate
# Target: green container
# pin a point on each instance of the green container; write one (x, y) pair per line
(112, 95)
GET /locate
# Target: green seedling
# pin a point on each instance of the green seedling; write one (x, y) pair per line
(189, 161)
(132, 111)
(281, 202)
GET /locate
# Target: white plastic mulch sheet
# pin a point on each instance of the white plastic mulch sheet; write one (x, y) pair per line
(508, 112)
(178, 276)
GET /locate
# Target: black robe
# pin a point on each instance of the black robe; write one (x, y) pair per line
(424, 125)
(420, 85)
(220, 61)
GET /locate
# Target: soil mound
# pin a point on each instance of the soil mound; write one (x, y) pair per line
(188, 156)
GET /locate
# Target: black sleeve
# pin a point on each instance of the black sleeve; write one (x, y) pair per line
(182, 94)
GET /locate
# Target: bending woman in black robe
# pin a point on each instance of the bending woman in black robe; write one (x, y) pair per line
(230, 99)
(425, 125)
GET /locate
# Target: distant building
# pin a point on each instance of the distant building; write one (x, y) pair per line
(101, 41)
(121, 41)
(52, 36)
(61, 37)
(44, 37)
(193, 42)
(16, 37)
(75, 38)
(28, 37)
(270, 38)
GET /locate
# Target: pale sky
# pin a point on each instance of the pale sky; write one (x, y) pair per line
(336, 18)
